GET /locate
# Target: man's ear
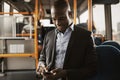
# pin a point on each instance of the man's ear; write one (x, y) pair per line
(70, 14)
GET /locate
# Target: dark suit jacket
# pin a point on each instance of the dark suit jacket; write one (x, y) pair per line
(80, 59)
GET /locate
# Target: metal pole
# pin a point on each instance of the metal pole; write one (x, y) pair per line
(90, 15)
(75, 10)
(35, 28)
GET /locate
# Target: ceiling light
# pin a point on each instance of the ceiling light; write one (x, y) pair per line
(27, 0)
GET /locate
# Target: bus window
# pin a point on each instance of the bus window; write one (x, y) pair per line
(115, 11)
(84, 17)
(99, 19)
(6, 8)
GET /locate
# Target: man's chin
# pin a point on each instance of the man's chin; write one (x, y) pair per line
(59, 28)
(62, 30)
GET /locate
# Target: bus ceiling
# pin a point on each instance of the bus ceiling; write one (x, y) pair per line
(105, 1)
(82, 5)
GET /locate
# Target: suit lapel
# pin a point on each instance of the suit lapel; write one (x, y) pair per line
(70, 45)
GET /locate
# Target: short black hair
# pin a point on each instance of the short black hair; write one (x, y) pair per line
(58, 4)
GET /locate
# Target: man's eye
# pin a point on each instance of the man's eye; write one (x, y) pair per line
(62, 18)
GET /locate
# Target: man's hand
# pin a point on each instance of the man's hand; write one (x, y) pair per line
(55, 74)
(59, 72)
(41, 69)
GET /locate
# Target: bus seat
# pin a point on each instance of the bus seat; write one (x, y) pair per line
(108, 62)
(97, 40)
(113, 43)
(19, 27)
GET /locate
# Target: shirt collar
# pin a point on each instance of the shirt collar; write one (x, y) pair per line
(71, 27)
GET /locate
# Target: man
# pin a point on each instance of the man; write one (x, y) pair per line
(68, 52)
(28, 26)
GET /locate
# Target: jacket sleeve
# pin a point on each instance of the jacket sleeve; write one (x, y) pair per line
(42, 58)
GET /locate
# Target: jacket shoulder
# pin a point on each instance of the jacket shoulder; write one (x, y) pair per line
(82, 30)
(51, 32)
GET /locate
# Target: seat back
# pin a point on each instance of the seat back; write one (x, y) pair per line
(97, 40)
(113, 43)
(108, 62)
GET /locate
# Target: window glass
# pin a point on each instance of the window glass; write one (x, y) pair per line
(84, 17)
(99, 19)
(115, 9)
(6, 8)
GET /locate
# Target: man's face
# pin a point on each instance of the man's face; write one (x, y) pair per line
(60, 18)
